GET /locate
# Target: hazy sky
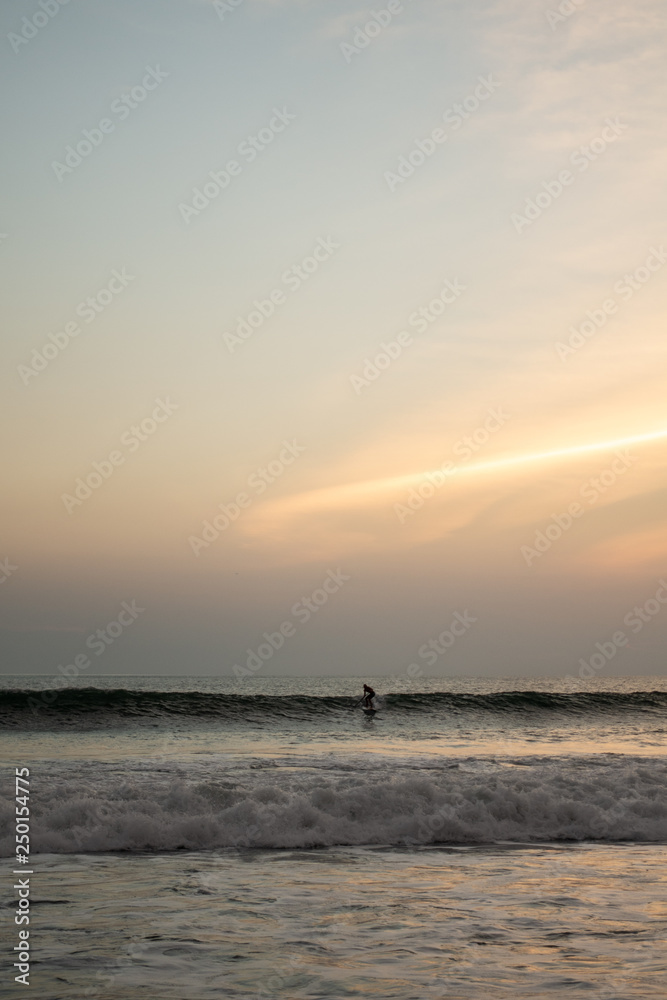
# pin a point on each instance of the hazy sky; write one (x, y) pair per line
(267, 263)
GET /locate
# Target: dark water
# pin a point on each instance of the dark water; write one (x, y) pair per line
(210, 838)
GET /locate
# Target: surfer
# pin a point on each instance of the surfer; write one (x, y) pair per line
(369, 694)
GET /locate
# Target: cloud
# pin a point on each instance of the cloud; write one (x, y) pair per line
(481, 503)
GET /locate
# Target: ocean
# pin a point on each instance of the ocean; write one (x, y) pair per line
(263, 838)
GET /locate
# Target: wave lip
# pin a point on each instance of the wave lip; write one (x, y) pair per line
(94, 705)
(547, 802)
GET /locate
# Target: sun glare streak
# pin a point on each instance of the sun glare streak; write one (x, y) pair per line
(564, 452)
(352, 493)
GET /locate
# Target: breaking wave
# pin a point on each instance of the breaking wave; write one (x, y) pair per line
(615, 800)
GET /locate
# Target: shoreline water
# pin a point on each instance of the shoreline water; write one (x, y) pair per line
(264, 840)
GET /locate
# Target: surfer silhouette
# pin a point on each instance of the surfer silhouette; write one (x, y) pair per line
(369, 694)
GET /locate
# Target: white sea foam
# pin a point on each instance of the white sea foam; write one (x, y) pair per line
(280, 808)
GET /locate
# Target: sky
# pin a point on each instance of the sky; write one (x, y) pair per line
(346, 319)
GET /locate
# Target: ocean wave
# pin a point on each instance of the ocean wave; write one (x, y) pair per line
(69, 706)
(546, 802)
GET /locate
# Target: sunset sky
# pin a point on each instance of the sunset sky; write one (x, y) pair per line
(434, 258)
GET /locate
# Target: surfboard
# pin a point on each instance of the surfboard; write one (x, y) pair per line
(369, 711)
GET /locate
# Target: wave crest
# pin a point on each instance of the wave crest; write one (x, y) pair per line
(567, 801)
(94, 705)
